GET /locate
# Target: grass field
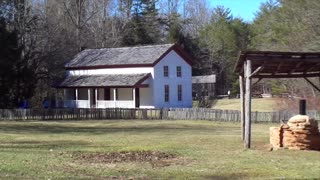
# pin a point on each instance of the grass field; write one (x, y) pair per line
(201, 150)
(258, 104)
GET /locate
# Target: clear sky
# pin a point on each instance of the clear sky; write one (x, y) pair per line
(245, 9)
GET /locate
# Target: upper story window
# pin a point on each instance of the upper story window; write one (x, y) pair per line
(166, 93)
(179, 92)
(165, 71)
(178, 71)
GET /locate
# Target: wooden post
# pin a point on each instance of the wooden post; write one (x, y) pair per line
(241, 80)
(96, 96)
(134, 97)
(89, 99)
(114, 96)
(55, 99)
(64, 98)
(247, 138)
(76, 94)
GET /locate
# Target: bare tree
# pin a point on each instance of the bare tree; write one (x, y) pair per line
(197, 13)
(106, 25)
(80, 13)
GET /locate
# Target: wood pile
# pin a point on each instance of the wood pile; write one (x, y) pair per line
(300, 133)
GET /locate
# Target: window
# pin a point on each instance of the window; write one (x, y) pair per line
(178, 71)
(166, 93)
(179, 92)
(165, 71)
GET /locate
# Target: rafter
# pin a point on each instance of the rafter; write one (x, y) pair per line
(295, 67)
(278, 67)
(311, 68)
(257, 82)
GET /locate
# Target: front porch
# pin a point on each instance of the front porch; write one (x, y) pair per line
(107, 91)
(101, 98)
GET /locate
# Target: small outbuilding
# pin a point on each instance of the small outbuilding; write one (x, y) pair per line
(203, 87)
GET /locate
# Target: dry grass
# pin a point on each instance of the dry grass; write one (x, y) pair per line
(259, 104)
(268, 104)
(205, 150)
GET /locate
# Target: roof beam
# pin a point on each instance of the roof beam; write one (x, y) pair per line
(279, 58)
(287, 75)
(256, 71)
(257, 82)
(279, 53)
(312, 84)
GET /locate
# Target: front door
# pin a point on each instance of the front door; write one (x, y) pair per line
(137, 96)
(107, 94)
(92, 97)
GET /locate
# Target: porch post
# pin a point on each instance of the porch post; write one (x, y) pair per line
(134, 96)
(89, 99)
(64, 97)
(247, 138)
(76, 94)
(76, 101)
(114, 96)
(96, 96)
(56, 99)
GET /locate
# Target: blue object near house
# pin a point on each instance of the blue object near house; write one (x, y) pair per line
(45, 104)
(25, 104)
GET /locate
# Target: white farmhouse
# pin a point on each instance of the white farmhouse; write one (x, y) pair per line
(157, 76)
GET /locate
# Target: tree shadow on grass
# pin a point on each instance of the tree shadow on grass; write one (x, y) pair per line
(226, 177)
(32, 144)
(67, 128)
(45, 145)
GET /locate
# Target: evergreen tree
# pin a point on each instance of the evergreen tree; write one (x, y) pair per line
(223, 38)
(286, 25)
(143, 28)
(174, 27)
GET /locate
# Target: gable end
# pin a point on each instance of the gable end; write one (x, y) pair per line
(185, 56)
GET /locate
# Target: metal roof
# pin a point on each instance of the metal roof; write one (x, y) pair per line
(119, 56)
(114, 80)
(280, 64)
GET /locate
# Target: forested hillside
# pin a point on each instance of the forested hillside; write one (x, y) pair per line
(38, 36)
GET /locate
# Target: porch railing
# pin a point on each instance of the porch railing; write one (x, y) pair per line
(76, 104)
(99, 104)
(115, 104)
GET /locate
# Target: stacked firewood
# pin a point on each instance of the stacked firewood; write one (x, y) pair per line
(299, 133)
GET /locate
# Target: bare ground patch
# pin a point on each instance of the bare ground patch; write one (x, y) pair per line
(155, 158)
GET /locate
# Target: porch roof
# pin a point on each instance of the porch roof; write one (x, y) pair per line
(106, 80)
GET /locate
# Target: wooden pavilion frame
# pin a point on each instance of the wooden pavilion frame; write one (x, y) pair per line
(269, 64)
